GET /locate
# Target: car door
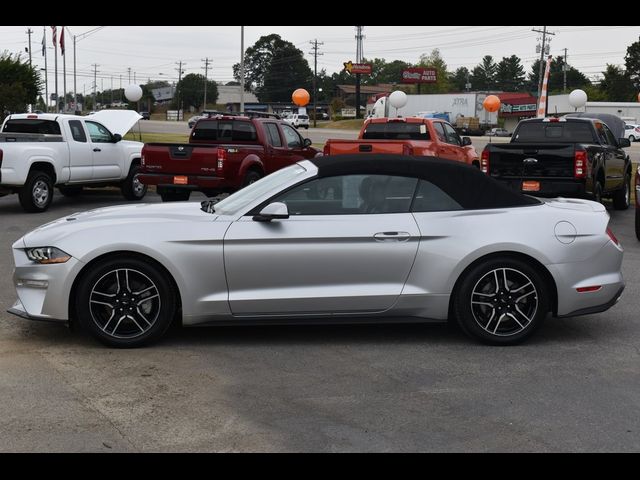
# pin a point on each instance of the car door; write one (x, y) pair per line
(279, 155)
(615, 159)
(107, 155)
(445, 150)
(347, 248)
(295, 143)
(80, 153)
(455, 141)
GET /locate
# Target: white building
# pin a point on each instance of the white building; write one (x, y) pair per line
(628, 111)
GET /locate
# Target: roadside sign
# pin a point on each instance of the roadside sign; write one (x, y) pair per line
(355, 68)
(419, 75)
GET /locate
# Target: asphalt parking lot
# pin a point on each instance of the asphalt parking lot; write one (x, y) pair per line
(574, 387)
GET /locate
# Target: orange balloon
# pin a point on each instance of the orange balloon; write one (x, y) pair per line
(301, 97)
(491, 103)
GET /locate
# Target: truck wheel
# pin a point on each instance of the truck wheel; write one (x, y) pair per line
(131, 187)
(622, 198)
(70, 191)
(37, 193)
(252, 176)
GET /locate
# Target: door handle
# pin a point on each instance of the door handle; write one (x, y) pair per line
(97, 150)
(392, 236)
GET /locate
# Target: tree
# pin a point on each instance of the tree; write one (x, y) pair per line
(190, 91)
(435, 60)
(274, 68)
(575, 78)
(510, 75)
(19, 84)
(632, 63)
(484, 75)
(460, 78)
(384, 72)
(41, 105)
(617, 85)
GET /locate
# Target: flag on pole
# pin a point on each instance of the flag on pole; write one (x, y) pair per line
(53, 34)
(62, 41)
(44, 43)
(542, 101)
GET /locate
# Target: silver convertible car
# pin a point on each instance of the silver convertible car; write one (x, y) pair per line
(334, 239)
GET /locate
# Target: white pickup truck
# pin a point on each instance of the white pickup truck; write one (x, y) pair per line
(38, 152)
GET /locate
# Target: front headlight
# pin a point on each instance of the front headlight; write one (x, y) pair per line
(47, 255)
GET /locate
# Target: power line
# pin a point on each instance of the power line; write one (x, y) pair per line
(544, 49)
(315, 46)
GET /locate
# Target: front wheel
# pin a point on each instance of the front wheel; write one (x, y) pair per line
(37, 193)
(622, 197)
(501, 301)
(125, 302)
(131, 187)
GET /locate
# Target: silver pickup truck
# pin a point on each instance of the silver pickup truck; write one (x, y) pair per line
(40, 151)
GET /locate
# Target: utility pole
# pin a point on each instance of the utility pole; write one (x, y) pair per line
(179, 102)
(29, 32)
(111, 91)
(565, 67)
(542, 54)
(359, 57)
(315, 45)
(46, 73)
(134, 78)
(207, 62)
(95, 86)
(129, 70)
(121, 91)
(75, 86)
(242, 68)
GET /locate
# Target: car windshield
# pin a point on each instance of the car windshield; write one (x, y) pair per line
(239, 200)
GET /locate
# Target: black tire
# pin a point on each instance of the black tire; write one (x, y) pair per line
(131, 188)
(37, 193)
(250, 177)
(632, 138)
(493, 316)
(597, 192)
(136, 289)
(70, 191)
(622, 197)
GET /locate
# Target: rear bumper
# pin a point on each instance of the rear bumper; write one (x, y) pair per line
(548, 187)
(194, 182)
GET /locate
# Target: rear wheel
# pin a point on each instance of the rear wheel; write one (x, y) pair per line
(501, 301)
(70, 191)
(251, 176)
(125, 302)
(37, 193)
(632, 138)
(622, 198)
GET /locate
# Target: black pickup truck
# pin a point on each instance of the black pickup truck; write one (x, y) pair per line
(568, 156)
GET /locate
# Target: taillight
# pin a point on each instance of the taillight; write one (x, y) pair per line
(580, 164)
(407, 150)
(326, 149)
(638, 129)
(222, 157)
(612, 237)
(484, 161)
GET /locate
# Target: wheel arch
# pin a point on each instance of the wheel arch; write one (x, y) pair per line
(251, 162)
(540, 268)
(46, 167)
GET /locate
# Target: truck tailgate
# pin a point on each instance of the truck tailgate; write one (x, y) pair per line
(343, 147)
(180, 159)
(532, 161)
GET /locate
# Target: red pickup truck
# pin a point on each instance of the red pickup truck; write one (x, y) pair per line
(225, 153)
(408, 136)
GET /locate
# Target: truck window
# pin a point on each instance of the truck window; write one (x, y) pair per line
(292, 137)
(98, 133)
(611, 139)
(77, 132)
(274, 134)
(561, 132)
(396, 131)
(442, 137)
(452, 136)
(46, 127)
(224, 131)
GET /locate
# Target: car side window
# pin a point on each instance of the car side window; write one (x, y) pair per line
(431, 198)
(98, 133)
(452, 136)
(611, 139)
(273, 134)
(77, 132)
(440, 133)
(351, 195)
(602, 135)
(291, 137)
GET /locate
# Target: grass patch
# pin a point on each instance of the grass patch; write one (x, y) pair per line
(351, 124)
(158, 137)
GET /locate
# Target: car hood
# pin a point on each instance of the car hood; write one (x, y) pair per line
(119, 222)
(116, 121)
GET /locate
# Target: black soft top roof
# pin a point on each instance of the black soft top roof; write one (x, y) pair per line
(466, 184)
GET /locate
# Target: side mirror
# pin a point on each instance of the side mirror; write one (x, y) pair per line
(624, 142)
(273, 211)
(117, 138)
(307, 143)
(466, 141)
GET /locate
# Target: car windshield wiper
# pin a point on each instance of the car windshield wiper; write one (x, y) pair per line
(207, 206)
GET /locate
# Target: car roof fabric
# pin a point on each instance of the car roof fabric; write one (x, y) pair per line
(615, 123)
(471, 188)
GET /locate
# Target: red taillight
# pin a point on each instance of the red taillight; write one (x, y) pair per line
(484, 161)
(32, 116)
(407, 150)
(612, 236)
(638, 129)
(580, 164)
(326, 149)
(594, 288)
(222, 157)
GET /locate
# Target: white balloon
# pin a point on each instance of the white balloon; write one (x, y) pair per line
(133, 93)
(578, 98)
(398, 99)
